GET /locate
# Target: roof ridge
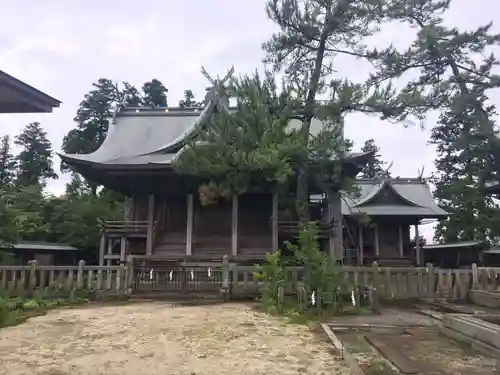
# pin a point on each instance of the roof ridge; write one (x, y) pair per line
(385, 182)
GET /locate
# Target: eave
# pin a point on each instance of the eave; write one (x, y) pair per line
(19, 97)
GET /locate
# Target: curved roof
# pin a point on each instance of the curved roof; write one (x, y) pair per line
(157, 136)
(411, 197)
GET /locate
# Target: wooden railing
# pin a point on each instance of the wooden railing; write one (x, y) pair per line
(293, 227)
(397, 283)
(26, 279)
(125, 227)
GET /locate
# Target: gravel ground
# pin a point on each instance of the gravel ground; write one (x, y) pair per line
(160, 338)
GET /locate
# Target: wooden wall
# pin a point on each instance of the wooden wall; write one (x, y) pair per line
(212, 229)
(255, 234)
(171, 228)
(212, 226)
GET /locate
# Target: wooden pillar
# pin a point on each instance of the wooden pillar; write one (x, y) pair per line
(128, 209)
(418, 253)
(274, 222)
(375, 239)
(151, 218)
(234, 226)
(361, 258)
(123, 248)
(401, 241)
(335, 219)
(102, 247)
(189, 227)
(110, 251)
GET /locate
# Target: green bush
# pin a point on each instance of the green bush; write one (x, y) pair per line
(320, 278)
(4, 311)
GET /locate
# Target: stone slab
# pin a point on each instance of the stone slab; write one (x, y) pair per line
(485, 298)
(474, 328)
(481, 347)
(404, 364)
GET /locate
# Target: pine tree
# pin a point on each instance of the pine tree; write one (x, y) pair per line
(373, 168)
(7, 163)
(453, 78)
(189, 101)
(77, 186)
(34, 162)
(251, 146)
(94, 115)
(155, 93)
(312, 33)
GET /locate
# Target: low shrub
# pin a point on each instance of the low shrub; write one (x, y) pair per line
(319, 292)
(15, 310)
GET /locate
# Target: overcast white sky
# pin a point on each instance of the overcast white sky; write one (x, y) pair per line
(62, 47)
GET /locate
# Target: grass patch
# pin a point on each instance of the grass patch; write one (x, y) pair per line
(15, 310)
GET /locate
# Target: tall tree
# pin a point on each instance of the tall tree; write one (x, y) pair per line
(312, 33)
(373, 168)
(94, 115)
(7, 163)
(248, 147)
(77, 186)
(189, 101)
(34, 162)
(455, 74)
(155, 93)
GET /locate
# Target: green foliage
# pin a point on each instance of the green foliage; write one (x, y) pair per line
(155, 94)
(320, 277)
(34, 162)
(7, 163)
(311, 35)
(8, 222)
(454, 74)
(272, 276)
(76, 220)
(374, 167)
(94, 115)
(96, 111)
(250, 146)
(15, 310)
(189, 101)
(320, 269)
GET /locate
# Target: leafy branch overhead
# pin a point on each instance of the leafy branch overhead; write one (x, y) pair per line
(454, 74)
(251, 145)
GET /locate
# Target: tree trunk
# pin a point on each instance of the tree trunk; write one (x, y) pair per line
(302, 203)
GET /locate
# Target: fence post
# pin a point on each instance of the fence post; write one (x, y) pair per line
(79, 275)
(130, 272)
(32, 280)
(430, 280)
(120, 279)
(375, 269)
(225, 278)
(475, 277)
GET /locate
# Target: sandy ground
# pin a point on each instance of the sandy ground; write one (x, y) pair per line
(160, 338)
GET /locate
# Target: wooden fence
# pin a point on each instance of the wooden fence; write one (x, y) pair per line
(396, 283)
(26, 279)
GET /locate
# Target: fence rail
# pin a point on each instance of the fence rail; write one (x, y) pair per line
(389, 282)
